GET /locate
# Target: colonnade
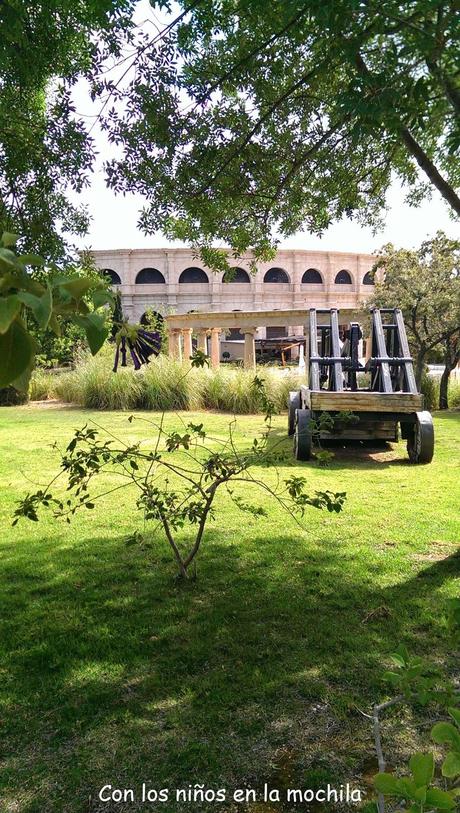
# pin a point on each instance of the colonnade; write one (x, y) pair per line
(182, 328)
(181, 347)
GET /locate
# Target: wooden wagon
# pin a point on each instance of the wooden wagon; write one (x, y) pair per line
(374, 411)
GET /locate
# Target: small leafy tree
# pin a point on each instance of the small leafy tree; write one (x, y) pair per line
(425, 284)
(177, 481)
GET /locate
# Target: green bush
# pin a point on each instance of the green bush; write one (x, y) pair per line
(454, 394)
(42, 385)
(162, 385)
(430, 391)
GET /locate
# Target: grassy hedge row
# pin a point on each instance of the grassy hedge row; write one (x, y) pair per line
(162, 385)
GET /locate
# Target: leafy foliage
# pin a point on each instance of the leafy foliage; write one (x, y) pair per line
(425, 284)
(243, 121)
(420, 683)
(45, 299)
(45, 146)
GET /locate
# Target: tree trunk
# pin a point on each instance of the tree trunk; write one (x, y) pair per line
(419, 367)
(443, 387)
(451, 359)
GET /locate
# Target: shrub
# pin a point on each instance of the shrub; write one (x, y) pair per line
(162, 386)
(42, 385)
(454, 394)
(430, 391)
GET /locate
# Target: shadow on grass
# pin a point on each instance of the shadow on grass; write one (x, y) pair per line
(114, 674)
(347, 454)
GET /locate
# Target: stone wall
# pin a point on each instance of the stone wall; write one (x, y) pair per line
(175, 296)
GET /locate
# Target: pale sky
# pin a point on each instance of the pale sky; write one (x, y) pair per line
(114, 217)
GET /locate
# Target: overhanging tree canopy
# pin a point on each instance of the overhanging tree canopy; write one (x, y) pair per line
(44, 146)
(246, 117)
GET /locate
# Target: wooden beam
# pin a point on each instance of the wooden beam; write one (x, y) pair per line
(381, 350)
(250, 319)
(313, 366)
(366, 401)
(338, 375)
(409, 376)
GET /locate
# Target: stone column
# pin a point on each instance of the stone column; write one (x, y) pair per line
(215, 347)
(174, 344)
(202, 343)
(249, 348)
(188, 349)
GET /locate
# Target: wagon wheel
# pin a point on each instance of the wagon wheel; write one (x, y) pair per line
(293, 404)
(303, 434)
(420, 441)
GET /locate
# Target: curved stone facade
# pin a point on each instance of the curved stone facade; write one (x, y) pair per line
(179, 293)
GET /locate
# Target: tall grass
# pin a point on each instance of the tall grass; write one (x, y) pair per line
(42, 385)
(164, 385)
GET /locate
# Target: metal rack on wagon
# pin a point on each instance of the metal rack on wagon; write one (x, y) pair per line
(390, 400)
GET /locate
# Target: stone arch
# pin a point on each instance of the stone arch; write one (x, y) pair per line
(312, 277)
(236, 275)
(343, 278)
(145, 321)
(368, 279)
(193, 275)
(114, 277)
(150, 276)
(276, 275)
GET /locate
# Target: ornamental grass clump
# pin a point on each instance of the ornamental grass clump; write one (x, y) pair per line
(162, 385)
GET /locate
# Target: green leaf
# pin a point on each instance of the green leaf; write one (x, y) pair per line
(31, 259)
(440, 799)
(102, 297)
(17, 350)
(422, 768)
(446, 733)
(387, 783)
(9, 239)
(96, 331)
(8, 260)
(9, 309)
(420, 793)
(41, 306)
(22, 381)
(77, 287)
(455, 714)
(401, 656)
(407, 787)
(451, 765)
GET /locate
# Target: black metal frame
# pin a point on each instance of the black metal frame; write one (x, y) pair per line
(336, 369)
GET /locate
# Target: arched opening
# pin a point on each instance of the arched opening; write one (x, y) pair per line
(276, 275)
(312, 277)
(152, 319)
(236, 275)
(368, 279)
(150, 276)
(114, 277)
(343, 278)
(190, 275)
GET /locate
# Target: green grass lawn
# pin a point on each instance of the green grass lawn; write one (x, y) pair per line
(111, 672)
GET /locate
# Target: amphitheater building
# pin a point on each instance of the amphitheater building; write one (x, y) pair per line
(172, 281)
